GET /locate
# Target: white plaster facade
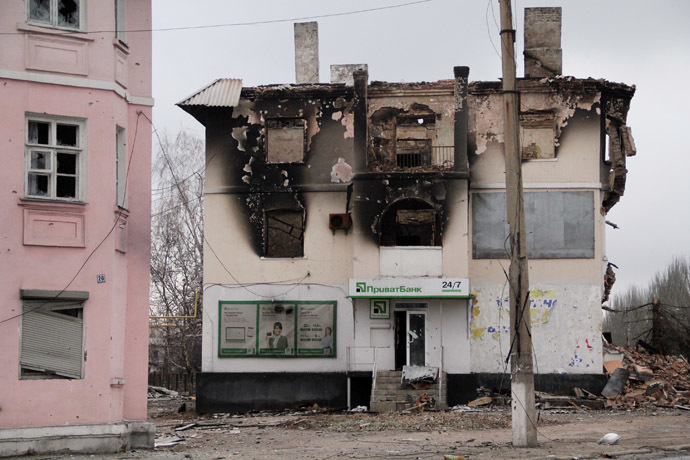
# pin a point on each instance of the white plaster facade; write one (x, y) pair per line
(464, 335)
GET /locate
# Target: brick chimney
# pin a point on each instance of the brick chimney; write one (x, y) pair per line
(307, 52)
(543, 53)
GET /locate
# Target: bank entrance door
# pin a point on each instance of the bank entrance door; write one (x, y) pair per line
(410, 339)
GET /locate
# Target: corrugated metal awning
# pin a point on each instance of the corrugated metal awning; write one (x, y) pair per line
(224, 92)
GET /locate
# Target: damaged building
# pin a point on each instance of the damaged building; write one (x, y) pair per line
(357, 228)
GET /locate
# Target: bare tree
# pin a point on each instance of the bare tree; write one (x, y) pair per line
(176, 254)
(658, 314)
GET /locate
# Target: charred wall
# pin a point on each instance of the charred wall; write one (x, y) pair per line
(280, 143)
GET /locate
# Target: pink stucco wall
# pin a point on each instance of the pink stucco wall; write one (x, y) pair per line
(116, 313)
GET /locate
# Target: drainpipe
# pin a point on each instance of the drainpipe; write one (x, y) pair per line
(359, 109)
(461, 79)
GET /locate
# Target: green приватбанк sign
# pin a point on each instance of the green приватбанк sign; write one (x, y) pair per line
(410, 288)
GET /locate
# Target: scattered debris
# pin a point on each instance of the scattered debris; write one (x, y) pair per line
(483, 401)
(359, 409)
(656, 380)
(611, 366)
(616, 383)
(464, 408)
(168, 442)
(160, 390)
(609, 439)
(419, 376)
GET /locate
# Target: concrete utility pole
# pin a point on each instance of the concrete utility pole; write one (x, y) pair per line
(522, 377)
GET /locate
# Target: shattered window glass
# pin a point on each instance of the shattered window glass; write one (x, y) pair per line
(39, 10)
(39, 185)
(67, 135)
(55, 13)
(40, 160)
(68, 13)
(39, 133)
(53, 169)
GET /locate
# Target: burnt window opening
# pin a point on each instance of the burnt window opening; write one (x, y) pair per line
(414, 134)
(284, 233)
(285, 140)
(410, 223)
(538, 135)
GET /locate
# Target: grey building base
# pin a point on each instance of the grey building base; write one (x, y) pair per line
(462, 388)
(246, 392)
(84, 439)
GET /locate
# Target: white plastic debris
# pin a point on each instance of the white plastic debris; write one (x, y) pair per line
(609, 439)
(359, 409)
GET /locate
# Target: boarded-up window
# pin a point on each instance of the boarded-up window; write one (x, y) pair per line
(285, 140)
(52, 340)
(284, 233)
(560, 225)
(537, 135)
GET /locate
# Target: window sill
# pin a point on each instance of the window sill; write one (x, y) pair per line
(47, 202)
(122, 46)
(121, 211)
(50, 30)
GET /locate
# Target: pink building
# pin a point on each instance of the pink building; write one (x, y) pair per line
(75, 95)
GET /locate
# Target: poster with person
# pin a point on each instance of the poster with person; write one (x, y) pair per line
(277, 329)
(237, 329)
(316, 329)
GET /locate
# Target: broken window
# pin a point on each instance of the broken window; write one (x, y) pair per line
(285, 140)
(284, 233)
(53, 158)
(414, 134)
(538, 135)
(56, 13)
(52, 345)
(410, 223)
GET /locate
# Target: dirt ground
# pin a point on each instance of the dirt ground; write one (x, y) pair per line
(563, 433)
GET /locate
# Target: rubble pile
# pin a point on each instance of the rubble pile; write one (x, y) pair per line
(653, 380)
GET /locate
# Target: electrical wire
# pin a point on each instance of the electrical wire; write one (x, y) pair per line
(112, 228)
(208, 244)
(236, 24)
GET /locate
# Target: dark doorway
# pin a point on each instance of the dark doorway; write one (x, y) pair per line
(400, 339)
(410, 339)
(416, 338)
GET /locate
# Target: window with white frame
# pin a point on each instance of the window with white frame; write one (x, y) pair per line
(64, 14)
(54, 158)
(52, 339)
(121, 166)
(120, 21)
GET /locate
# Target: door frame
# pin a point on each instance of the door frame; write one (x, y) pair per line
(407, 333)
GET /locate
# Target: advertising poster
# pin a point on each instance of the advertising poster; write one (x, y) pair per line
(237, 329)
(277, 329)
(316, 330)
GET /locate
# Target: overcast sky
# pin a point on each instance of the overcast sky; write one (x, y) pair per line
(630, 41)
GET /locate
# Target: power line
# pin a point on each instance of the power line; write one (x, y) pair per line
(238, 24)
(117, 220)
